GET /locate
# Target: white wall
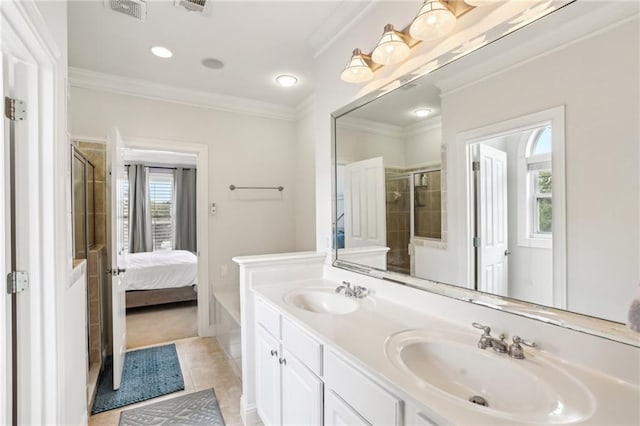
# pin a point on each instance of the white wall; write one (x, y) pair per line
(362, 145)
(305, 193)
(423, 146)
(243, 150)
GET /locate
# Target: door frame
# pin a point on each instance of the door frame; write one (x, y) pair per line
(463, 157)
(201, 151)
(40, 372)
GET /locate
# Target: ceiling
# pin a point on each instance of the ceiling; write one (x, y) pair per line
(256, 40)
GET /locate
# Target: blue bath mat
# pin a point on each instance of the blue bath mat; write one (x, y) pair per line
(147, 373)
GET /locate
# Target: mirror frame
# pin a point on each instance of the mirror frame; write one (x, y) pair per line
(595, 326)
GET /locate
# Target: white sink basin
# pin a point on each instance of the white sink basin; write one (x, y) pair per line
(322, 301)
(527, 390)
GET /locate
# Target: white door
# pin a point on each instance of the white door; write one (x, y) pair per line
(364, 204)
(118, 278)
(339, 413)
(492, 220)
(301, 394)
(268, 385)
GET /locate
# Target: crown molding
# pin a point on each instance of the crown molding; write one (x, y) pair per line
(305, 107)
(345, 16)
(87, 79)
(368, 126)
(423, 126)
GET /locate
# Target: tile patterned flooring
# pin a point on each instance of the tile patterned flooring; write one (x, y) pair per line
(204, 366)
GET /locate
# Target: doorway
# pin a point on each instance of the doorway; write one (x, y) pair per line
(515, 199)
(162, 278)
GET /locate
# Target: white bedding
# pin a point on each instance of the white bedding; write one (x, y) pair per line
(160, 269)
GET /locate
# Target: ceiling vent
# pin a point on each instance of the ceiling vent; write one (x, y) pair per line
(200, 6)
(135, 8)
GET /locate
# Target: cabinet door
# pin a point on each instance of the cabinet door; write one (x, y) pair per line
(339, 413)
(301, 394)
(268, 385)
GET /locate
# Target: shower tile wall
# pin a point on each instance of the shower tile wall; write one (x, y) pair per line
(97, 154)
(428, 211)
(98, 254)
(398, 221)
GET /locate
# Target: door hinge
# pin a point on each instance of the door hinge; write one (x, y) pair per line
(17, 282)
(475, 166)
(476, 241)
(15, 109)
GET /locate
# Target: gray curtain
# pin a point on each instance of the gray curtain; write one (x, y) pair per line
(139, 210)
(185, 209)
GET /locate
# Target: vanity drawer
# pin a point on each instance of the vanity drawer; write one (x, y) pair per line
(268, 317)
(302, 345)
(370, 400)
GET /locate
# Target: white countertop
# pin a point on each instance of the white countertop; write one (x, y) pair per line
(360, 336)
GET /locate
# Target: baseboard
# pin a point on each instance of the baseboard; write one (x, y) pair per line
(249, 414)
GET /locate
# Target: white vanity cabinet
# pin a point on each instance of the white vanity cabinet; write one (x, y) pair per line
(288, 362)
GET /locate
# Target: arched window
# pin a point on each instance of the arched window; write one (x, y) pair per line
(535, 206)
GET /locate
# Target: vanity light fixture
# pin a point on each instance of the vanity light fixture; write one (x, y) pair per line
(286, 80)
(433, 21)
(161, 52)
(359, 69)
(422, 112)
(392, 47)
(480, 3)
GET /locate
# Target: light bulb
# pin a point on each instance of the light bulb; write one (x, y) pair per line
(286, 80)
(161, 52)
(391, 48)
(434, 20)
(357, 70)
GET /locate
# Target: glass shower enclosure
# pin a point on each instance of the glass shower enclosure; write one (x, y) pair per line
(82, 190)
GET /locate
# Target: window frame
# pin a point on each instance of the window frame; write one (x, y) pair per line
(528, 167)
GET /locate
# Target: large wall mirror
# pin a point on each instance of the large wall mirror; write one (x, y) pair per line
(512, 176)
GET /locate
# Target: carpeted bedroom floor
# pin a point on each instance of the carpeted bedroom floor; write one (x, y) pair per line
(151, 325)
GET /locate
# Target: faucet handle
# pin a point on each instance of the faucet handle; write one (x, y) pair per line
(519, 340)
(485, 328)
(346, 284)
(515, 349)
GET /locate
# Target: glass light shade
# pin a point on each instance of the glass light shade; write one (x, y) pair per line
(357, 70)
(434, 20)
(480, 3)
(391, 48)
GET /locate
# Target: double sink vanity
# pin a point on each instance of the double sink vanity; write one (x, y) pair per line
(326, 357)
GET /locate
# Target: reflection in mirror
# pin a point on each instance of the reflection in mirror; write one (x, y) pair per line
(537, 156)
(389, 160)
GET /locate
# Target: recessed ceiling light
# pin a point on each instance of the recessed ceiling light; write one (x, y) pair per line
(422, 112)
(213, 63)
(161, 52)
(286, 80)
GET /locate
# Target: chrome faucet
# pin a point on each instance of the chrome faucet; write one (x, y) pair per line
(346, 286)
(488, 341)
(515, 349)
(352, 290)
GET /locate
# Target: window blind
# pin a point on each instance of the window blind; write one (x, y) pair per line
(162, 217)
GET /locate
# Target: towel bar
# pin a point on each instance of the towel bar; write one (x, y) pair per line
(233, 187)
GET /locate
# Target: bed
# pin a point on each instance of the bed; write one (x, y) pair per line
(159, 277)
